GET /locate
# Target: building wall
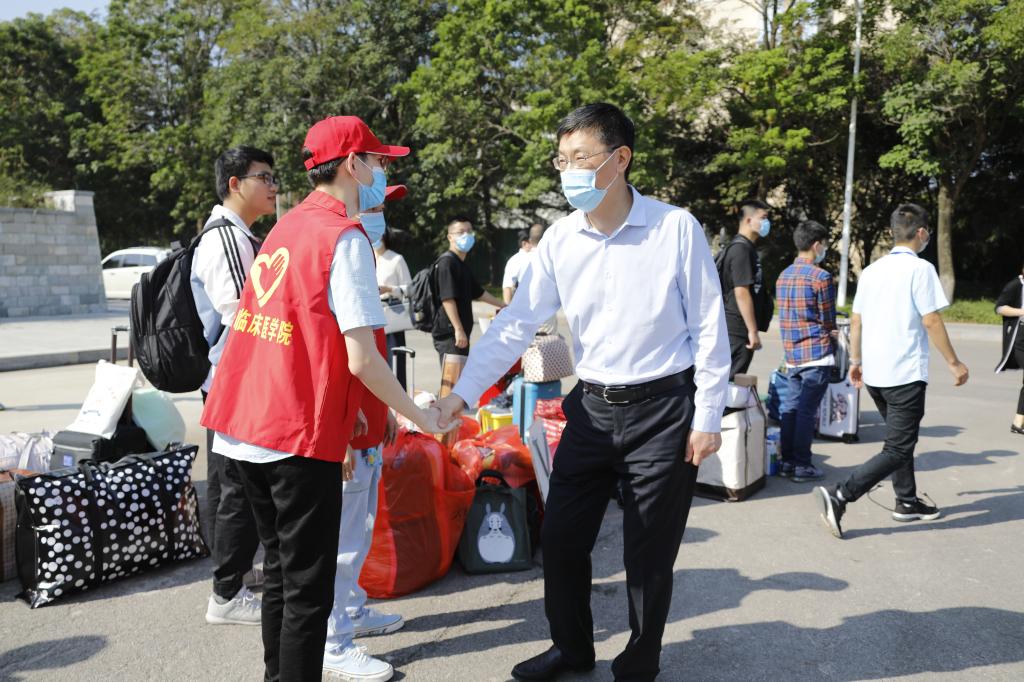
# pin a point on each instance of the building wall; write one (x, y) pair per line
(50, 258)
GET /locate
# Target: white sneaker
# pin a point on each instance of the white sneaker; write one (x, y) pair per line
(254, 578)
(371, 622)
(244, 609)
(354, 665)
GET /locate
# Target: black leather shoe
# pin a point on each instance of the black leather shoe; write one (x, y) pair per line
(1016, 429)
(548, 666)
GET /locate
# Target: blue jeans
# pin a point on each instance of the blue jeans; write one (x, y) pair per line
(799, 412)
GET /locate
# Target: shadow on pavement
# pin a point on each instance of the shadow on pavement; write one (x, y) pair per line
(881, 645)
(698, 592)
(54, 653)
(1006, 505)
(940, 459)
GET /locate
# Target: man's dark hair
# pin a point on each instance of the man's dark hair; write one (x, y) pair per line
(458, 219)
(749, 207)
(523, 236)
(808, 232)
(610, 123)
(906, 220)
(234, 163)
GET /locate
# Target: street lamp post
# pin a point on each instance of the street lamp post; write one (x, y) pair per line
(844, 265)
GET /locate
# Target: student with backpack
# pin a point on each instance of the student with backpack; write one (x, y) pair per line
(748, 304)
(247, 188)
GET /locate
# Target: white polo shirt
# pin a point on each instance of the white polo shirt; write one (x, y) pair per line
(893, 294)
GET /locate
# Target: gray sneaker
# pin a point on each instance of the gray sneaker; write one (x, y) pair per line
(807, 473)
(244, 609)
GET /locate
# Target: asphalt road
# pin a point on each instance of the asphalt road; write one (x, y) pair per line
(762, 591)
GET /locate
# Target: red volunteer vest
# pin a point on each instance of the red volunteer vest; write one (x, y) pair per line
(375, 411)
(283, 381)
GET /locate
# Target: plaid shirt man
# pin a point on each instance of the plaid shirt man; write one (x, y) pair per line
(806, 303)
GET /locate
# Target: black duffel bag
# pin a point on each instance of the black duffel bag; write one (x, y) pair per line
(98, 522)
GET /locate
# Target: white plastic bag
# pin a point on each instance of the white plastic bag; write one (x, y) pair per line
(30, 451)
(106, 400)
(155, 413)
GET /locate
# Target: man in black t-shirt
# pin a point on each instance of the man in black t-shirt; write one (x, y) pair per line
(743, 284)
(457, 288)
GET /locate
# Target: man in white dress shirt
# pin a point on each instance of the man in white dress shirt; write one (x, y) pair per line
(641, 294)
(516, 265)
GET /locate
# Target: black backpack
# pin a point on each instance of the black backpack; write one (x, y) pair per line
(167, 334)
(423, 298)
(764, 304)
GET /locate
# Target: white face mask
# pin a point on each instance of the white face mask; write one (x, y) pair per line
(925, 243)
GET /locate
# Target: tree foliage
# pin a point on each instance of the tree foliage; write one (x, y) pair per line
(137, 106)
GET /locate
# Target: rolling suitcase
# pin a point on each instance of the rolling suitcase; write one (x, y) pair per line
(72, 447)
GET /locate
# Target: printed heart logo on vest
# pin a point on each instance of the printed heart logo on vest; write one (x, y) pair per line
(277, 263)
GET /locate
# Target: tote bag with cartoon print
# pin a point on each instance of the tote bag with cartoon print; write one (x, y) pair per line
(497, 533)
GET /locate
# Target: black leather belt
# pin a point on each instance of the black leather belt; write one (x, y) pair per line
(624, 395)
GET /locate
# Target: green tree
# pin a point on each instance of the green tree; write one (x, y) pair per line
(41, 107)
(961, 73)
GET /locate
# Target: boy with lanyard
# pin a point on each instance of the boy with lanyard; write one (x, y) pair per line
(361, 477)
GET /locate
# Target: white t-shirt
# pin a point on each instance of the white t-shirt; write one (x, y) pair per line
(392, 271)
(354, 283)
(515, 268)
(893, 294)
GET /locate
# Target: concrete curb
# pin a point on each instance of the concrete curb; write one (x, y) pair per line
(78, 357)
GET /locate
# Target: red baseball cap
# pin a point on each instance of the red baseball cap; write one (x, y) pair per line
(395, 192)
(338, 136)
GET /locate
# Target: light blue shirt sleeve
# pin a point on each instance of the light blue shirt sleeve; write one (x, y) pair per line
(512, 330)
(928, 294)
(701, 291)
(353, 296)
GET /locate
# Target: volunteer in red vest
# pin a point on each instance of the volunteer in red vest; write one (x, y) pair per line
(300, 355)
(361, 471)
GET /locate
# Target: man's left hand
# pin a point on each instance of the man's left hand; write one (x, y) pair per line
(701, 446)
(361, 427)
(390, 429)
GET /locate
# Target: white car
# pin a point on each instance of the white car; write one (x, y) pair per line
(122, 269)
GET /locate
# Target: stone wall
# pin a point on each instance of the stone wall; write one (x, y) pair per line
(50, 258)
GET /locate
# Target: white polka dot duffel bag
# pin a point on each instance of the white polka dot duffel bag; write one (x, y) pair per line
(98, 522)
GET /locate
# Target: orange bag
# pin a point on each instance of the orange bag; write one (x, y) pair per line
(501, 450)
(422, 506)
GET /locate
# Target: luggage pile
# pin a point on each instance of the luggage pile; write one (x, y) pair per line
(106, 498)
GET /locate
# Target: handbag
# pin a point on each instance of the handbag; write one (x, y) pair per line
(496, 537)
(547, 359)
(8, 522)
(96, 523)
(397, 315)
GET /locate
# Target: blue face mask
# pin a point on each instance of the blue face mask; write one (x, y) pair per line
(820, 256)
(377, 244)
(465, 242)
(580, 188)
(374, 225)
(766, 227)
(372, 195)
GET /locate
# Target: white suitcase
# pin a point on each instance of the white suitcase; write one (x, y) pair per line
(737, 470)
(839, 412)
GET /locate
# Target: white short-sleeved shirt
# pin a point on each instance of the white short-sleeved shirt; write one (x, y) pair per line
(514, 269)
(354, 283)
(893, 294)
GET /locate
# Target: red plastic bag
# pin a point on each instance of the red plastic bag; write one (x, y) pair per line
(553, 433)
(549, 409)
(470, 428)
(422, 506)
(501, 450)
